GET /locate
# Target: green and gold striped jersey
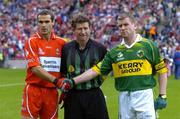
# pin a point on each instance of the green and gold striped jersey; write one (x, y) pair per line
(75, 61)
(134, 67)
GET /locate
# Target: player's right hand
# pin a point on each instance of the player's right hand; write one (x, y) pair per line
(58, 82)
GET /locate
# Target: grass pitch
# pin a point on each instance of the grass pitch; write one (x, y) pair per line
(12, 83)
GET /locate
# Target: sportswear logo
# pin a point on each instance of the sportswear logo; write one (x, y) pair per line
(40, 51)
(120, 56)
(140, 53)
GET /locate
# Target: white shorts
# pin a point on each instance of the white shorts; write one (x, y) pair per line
(136, 104)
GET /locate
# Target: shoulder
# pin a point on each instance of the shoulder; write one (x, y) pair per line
(97, 44)
(60, 39)
(147, 41)
(70, 44)
(31, 40)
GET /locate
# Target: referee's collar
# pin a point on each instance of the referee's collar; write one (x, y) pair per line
(138, 38)
(88, 44)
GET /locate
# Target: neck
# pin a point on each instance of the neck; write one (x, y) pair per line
(47, 37)
(130, 40)
(82, 44)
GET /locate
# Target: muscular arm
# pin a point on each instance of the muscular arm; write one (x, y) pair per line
(43, 74)
(162, 83)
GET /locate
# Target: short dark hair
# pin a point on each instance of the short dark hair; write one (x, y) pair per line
(46, 12)
(79, 18)
(126, 15)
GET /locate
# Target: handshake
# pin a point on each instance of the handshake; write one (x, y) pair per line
(64, 84)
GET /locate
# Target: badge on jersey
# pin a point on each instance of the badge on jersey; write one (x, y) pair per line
(140, 53)
(57, 51)
(71, 68)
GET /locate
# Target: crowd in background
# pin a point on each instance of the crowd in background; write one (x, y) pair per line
(159, 20)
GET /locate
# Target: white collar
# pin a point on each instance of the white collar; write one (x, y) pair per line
(138, 38)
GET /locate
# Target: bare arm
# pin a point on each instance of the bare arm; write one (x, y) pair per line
(162, 83)
(86, 76)
(43, 74)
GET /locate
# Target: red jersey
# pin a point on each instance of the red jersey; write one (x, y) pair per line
(44, 53)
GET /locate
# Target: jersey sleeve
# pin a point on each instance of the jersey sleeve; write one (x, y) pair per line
(96, 68)
(30, 52)
(106, 65)
(158, 62)
(103, 67)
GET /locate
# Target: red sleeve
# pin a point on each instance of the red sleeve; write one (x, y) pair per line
(30, 52)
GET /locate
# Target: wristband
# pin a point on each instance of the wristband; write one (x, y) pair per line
(163, 96)
(55, 81)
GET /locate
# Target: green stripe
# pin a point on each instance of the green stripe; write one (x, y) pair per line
(146, 40)
(77, 67)
(87, 66)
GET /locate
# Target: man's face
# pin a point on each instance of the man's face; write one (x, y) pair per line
(82, 31)
(45, 24)
(126, 27)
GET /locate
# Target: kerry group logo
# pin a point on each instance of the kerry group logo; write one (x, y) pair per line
(120, 56)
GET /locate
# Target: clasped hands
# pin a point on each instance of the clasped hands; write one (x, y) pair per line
(64, 84)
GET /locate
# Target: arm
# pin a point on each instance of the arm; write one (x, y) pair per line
(86, 76)
(43, 74)
(162, 83)
(161, 69)
(161, 102)
(89, 74)
(33, 61)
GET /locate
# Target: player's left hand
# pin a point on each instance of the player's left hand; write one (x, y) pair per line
(67, 85)
(160, 103)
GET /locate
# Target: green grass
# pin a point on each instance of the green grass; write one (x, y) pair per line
(10, 96)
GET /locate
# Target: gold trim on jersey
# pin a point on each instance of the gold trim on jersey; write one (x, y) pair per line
(161, 67)
(131, 68)
(96, 68)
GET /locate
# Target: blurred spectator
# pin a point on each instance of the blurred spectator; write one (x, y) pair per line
(177, 63)
(159, 19)
(1, 57)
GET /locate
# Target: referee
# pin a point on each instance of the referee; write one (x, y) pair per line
(85, 100)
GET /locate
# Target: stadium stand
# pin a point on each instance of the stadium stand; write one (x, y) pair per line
(159, 20)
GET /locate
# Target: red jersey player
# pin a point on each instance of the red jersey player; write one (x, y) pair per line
(43, 55)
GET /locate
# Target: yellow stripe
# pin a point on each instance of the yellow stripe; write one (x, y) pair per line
(96, 68)
(161, 67)
(132, 68)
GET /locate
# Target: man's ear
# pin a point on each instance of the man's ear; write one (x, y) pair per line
(136, 25)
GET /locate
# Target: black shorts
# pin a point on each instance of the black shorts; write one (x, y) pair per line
(85, 104)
